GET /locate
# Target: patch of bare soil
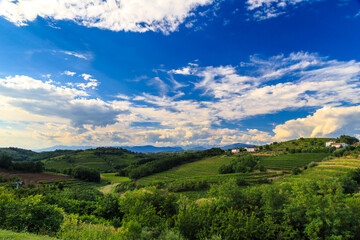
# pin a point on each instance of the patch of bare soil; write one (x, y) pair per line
(33, 177)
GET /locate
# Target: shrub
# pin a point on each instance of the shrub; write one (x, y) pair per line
(125, 186)
(87, 174)
(312, 164)
(296, 171)
(28, 214)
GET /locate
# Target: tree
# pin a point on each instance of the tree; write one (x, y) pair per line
(5, 162)
(87, 174)
(347, 139)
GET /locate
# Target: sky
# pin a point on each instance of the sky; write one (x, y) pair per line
(177, 72)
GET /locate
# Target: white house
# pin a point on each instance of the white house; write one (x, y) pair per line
(338, 145)
(327, 144)
(251, 149)
(235, 150)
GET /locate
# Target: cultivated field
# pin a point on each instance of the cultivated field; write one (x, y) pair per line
(34, 177)
(289, 161)
(206, 167)
(328, 169)
(110, 177)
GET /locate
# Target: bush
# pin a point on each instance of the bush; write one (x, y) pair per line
(28, 214)
(5, 162)
(87, 174)
(125, 186)
(295, 171)
(312, 164)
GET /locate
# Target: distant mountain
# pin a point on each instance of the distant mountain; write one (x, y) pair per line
(195, 148)
(149, 148)
(145, 149)
(140, 149)
(242, 145)
(61, 147)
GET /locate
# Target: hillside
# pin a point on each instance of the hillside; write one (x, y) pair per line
(102, 159)
(301, 143)
(18, 154)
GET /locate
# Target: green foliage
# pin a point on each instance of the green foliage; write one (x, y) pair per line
(28, 214)
(22, 236)
(86, 174)
(155, 166)
(244, 163)
(347, 139)
(33, 167)
(289, 161)
(295, 171)
(125, 186)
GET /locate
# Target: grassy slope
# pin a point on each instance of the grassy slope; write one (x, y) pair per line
(205, 167)
(110, 177)
(300, 143)
(205, 170)
(89, 159)
(289, 161)
(327, 169)
(4, 234)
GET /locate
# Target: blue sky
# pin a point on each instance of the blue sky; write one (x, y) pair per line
(177, 73)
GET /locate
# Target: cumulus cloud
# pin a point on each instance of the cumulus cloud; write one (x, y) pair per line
(115, 15)
(69, 73)
(201, 112)
(278, 83)
(48, 99)
(324, 122)
(265, 9)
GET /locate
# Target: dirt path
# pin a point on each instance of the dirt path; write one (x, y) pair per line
(108, 188)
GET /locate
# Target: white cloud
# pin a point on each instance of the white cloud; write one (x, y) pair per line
(265, 9)
(86, 76)
(47, 99)
(278, 83)
(69, 73)
(115, 15)
(199, 113)
(324, 122)
(75, 54)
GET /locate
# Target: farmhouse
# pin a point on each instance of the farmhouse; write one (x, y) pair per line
(327, 144)
(338, 145)
(251, 149)
(235, 150)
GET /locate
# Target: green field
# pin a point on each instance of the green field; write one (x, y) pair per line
(289, 161)
(301, 143)
(4, 234)
(206, 167)
(73, 183)
(334, 168)
(110, 177)
(90, 159)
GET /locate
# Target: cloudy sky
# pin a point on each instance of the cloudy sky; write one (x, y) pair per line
(177, 72)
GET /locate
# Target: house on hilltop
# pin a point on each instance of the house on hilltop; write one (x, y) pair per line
(235, 150)
(251, 149)
(328, 144)
(338, 145)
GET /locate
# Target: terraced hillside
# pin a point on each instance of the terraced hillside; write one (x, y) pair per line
(206, 170)
(289, 161)
(100, 159)
(205, 167)
(333, 168)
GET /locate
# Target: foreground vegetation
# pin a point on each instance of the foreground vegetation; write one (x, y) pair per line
(311, 194)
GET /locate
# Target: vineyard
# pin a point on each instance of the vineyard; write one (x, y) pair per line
(290, 161)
